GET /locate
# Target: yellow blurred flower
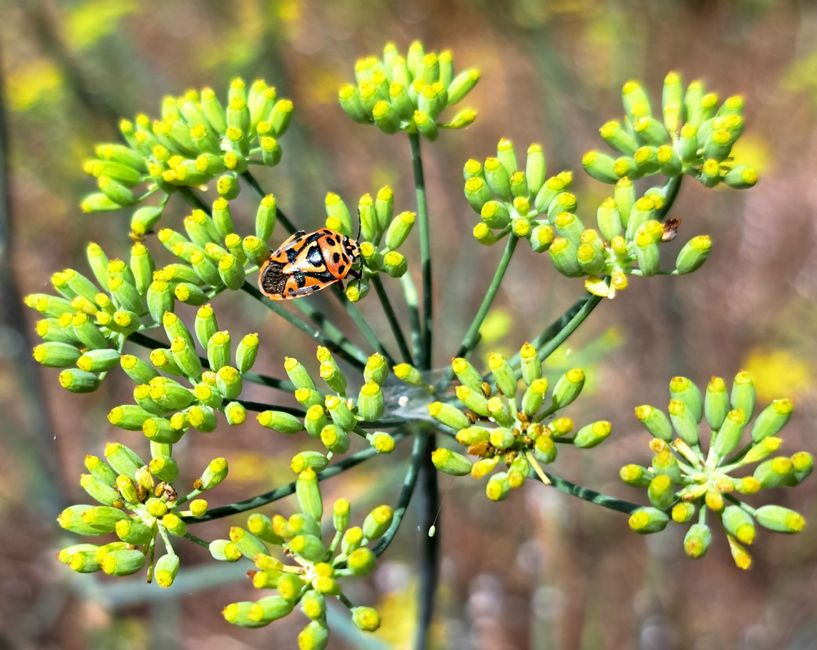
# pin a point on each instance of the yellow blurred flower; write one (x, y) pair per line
(32, 83)
(90, 21)
(777, 373)
(754, 151)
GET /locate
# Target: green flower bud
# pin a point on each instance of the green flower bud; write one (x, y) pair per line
(248, 544)
(164, 468)
(636, 101)
(161, 430)
(697, 540)
(308, 460)
(298, 374)
(336, 209)
(503, 374)
(370, 402)
(683, 420)
(568, 387)
(683, 389)
(280, 421)
(650, 131)
(399, 229)
(335, 439)
(563, 255)
(660, 491)
(166, 569)
(593, 434)
(682, 512)
(780, 519)
(260, 526)
(340, 413)
(473, 400)
(648, 520)
(693, 254)
(100, 470)
(213, 474)
(394, 264)
(477, 192)
(315, 419)
(308, 494)
(350, 102)
(802, 463)
(382, 442)
(235, 413)
(599, 166)
(123, 562)
(314, 636)
(246, 352)
(228, 382)
(365, 618)
(333, 376)
(466, 373)
(128, 416)
(231, 272)
(535, 168)
(776, 472)
(451, 462)
(309, 547)
(162, 359)
(185, 357)
(617, 137)
(351, 540)
(377, 522)
(716, 404)
(201, 417)
(462, 84)
(502, 437)
(743, 395)
(635, 475)
(497, 487)
(133, 532)
(534, 396)
(738, 523)
(100, 491)
(728, 437)
(772, 419)
(122, 459)
(672, 101)
(56, 355)
(174, 524)
(741, 177)
(280, 116)
(224, 550)
(448, 415)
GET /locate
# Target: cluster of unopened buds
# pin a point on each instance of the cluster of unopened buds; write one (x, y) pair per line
(693, 474)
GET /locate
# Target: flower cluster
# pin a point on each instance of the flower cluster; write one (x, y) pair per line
(164, 408)
(378, 225)
(694, 137)
(685, 479)
(528, 205)
(331, 415)
(500, 426)
(408, 93)
(195, 140)
(138, 503)
(317, 567)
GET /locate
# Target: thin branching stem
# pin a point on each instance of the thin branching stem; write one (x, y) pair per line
(365, 329)
(338, 343)
(471, 337)
(425, 248)
(582, 492)
(391, 316)
(284, 491)
(410, 294)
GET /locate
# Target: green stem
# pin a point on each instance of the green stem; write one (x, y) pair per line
(197, 540)
(394, 323)
(364, 327)
(403, 500)
(284, 491)
(670, 191)
(471, 337)
(252, 377)
(425, 248)
(604, 500)
(192, 198)
(330, 337)
(410, 294)
(557, 332)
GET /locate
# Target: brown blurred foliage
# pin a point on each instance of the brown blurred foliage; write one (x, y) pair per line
(541, 570)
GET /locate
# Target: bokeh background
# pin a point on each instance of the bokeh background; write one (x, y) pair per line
(541, 570)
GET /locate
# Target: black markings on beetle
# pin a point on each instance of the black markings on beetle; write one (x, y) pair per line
(336, 257)
(314, 257)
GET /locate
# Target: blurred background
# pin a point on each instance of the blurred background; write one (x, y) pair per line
(541, 570)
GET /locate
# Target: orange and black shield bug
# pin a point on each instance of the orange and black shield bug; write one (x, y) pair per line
(308, 262)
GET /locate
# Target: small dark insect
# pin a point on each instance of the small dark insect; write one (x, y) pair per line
(308, 262)
(670, 229)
